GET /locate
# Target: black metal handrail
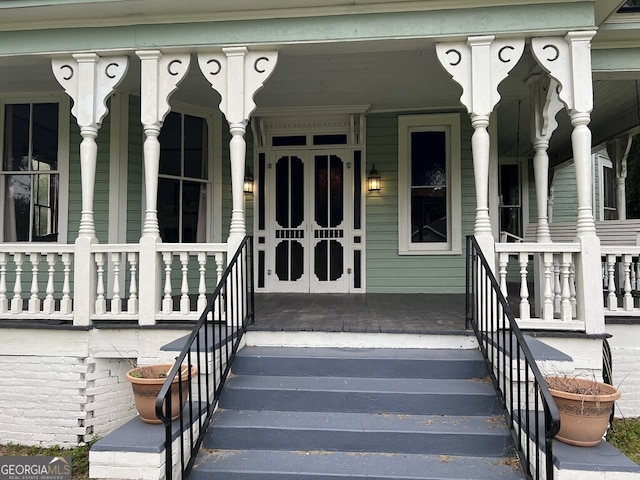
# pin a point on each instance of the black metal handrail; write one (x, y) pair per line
(210, 347)
(531, 412)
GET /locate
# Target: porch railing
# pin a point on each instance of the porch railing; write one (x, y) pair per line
(210, 347)
(621, 280)
(531, 413)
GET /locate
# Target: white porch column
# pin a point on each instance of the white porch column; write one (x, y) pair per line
(478, 66)
(89, 80)
(237, 74)
(159, 78)
(546, 105)
(618, 150)
(568, 60)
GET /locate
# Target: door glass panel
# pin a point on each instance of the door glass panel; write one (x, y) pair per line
(282, 192)
(336, 188)
(297, 260)
(321, 259)
(282, 261)
(297, 192)
(337, 260)
(321, 187)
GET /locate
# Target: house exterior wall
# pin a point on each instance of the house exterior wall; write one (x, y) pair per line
(625, 349)
(387, 271)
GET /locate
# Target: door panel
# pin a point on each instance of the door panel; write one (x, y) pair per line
(308, 222)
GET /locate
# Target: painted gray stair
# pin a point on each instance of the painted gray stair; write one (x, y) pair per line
(304, 413)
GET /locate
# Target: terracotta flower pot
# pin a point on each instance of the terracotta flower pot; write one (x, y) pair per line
(146, 388)
(584, 409)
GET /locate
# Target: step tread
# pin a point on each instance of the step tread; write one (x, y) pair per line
(362, 353)
(380, 422)
(473, 386)
(272, 465)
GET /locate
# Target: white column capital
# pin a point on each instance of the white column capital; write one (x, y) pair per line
(568, 60)
(478, 66)
(160, 76)
(237, 73)
(89, 80)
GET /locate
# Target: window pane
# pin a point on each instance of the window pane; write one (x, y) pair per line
(193, 215)
(195, 164)
(428, 159)
(45, 137)
(509, 185)
(168, 209)
(16, 149)
(45, 215)
(428, 187)
(171, 145)
(429, 215)
(16, 211)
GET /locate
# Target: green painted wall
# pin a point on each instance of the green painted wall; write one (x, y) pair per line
(386, 270)
(134, 172)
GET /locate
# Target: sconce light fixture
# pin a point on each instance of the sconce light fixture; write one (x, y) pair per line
(247, 186)
(373, 179)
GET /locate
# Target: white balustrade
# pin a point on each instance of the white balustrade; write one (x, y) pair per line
(554, 287)
(621, 280)
(113, 264)
(49, 291)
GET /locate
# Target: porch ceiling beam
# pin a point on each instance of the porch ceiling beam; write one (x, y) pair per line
(31, 38)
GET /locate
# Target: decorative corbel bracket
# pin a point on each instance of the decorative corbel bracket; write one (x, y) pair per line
(546, 104)
(160, 76)
(568, 60)
(89, 80)
(237, 74)
(478, 66)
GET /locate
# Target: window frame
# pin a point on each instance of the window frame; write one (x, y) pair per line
(64, 132)
(450, 124)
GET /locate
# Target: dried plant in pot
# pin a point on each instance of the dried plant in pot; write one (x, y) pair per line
(585, 407)
(146, 383)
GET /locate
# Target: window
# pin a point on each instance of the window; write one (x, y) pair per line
(510, 201)
(30, 173)
(429, 202)
(184, 179)
(607, 190)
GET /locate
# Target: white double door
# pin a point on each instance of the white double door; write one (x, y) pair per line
(309, 218)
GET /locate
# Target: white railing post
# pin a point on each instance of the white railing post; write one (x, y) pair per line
(16, 301)
(49, 301)
(612, 299)
(66, 304)
(101, 303)
(566, 309)
(547, 308)
(132, 304)
(184, 288)
(167, 302)
(34, 300)
(628, 298)
(202, 286)
(525, 309)
(4, 302)
(116, 301)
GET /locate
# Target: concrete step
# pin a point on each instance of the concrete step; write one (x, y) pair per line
(360, 362)
(360, 395)
(359, 432)
(323, 465)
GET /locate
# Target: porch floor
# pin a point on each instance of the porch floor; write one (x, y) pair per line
(370, 313)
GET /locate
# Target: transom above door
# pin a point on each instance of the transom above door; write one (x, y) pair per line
(307, 221)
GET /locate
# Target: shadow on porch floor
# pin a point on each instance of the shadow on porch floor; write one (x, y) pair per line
(371, 313)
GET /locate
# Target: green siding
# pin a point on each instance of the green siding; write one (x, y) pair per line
(386, 270)
(134, 172)
(565, 194)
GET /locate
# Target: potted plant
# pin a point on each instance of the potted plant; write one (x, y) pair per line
(585, 407)
(146, 383)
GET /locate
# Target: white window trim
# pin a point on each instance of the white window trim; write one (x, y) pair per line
(450, 122)
(64, 109)
(604, 162)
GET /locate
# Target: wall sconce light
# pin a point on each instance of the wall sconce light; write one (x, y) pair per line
(373, 179)
(247, 186)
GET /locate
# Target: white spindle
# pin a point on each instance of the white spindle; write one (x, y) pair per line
(557, 289)
(4, 302)
(202, 287)
(66, 304)
(116, 301)
(16, 301)
(503, 261)
(628, 298)
(566, 310)
(525, 308)
(101, 303)
(572, 290)
(612, 300)
(185, 306)
(34, 300)
(132, 305)
(167, 303)
(49, 306)
(547, 307)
